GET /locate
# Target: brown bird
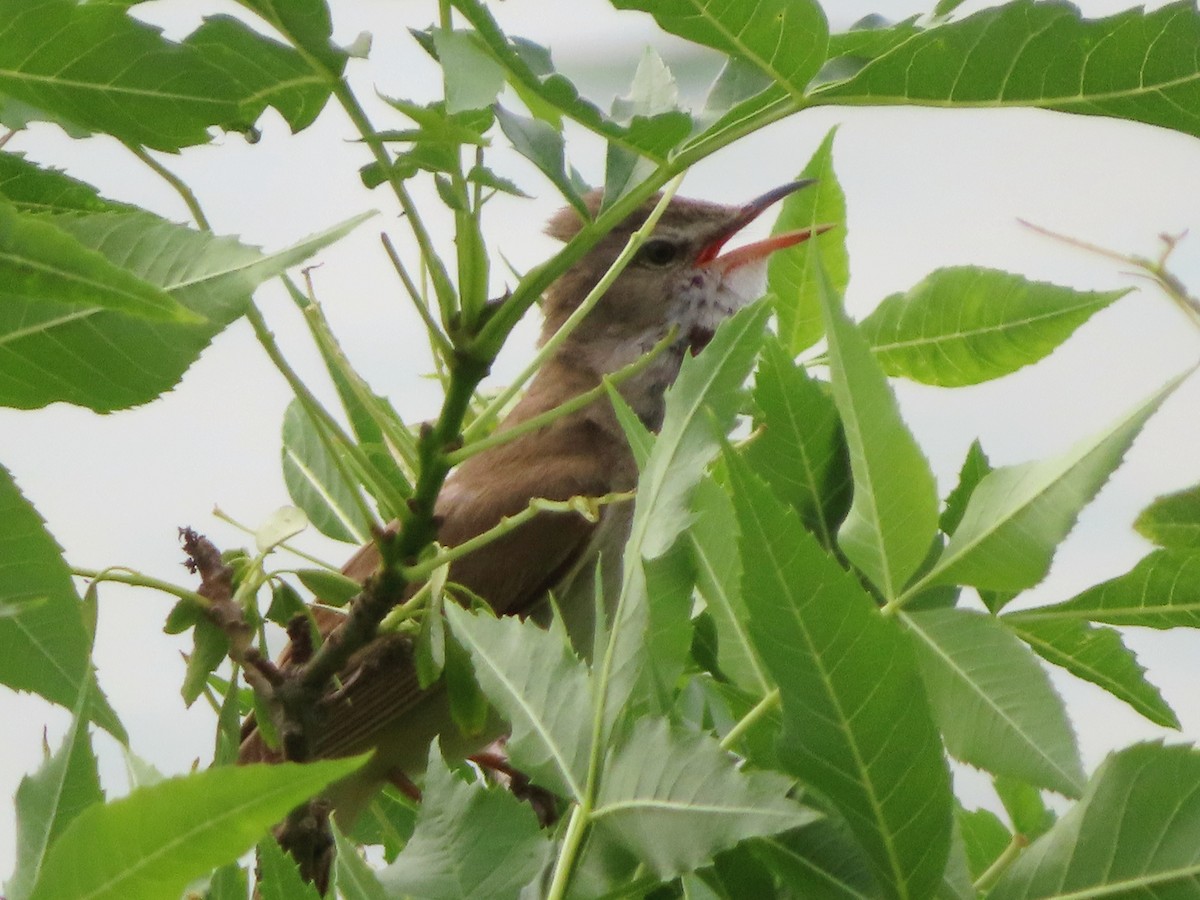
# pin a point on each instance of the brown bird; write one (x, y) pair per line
(678, 279)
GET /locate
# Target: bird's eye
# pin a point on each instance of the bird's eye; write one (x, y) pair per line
(659, 252)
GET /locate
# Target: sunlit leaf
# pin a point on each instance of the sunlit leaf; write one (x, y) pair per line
(965, 325)
(1017, 515)
(150, 844)
(792, 276)
(1161, 591)
(44, 647)
(893, 518)
(1135, 65)
(1173, 520)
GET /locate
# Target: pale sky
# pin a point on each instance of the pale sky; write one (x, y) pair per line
(924, 189)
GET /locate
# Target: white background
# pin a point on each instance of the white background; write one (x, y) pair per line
(925, 189)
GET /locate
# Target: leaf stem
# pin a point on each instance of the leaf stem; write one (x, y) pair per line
(572, 840)
(993, 872)
(180, 187)
(746, 722)
(436, 336)
(125, 575)
(593, 297)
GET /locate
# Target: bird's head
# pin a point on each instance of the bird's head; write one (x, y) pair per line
(679, 277)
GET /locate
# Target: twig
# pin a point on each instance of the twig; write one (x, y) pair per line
(1154, 270)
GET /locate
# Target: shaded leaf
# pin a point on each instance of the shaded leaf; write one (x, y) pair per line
(279, 877)
(967, 324)
(541, 689)
(1135, 65)
(473, 78)
(47, 801)
(718, 568)
(1017, 515)
(984, 837)
(974, 467)
(700, 405)
(1097, 655)
(462, 831)
(821, 861)
(868, 744)
(676, 799)
(893, 518)
(792, 276)
(150, 844)
(1026, 808)
(1127, 836)
(993, 702)
(317, 484)
(801, 451)
(544, 147)
(355, 878)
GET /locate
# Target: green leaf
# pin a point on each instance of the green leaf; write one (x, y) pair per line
(700, 406)
(966, 324)
(388, 820)
(1025, 806)
(676, 799)
(332, 588)
(107, 360)
(540, 688)
(317, 484)
(97, 67)
(1136, 65)
(993, 702)
(31, 189)
(229, 882)
(44, 647)
(38, 261)
(473, 78)
(801, 451)
(1097, 655)
(279, 877)
(49, 800)
(355, 878)
(792, 276)
(785, 39)
(821, 861)
(150, 844)
(543, 146)
(984, 836)
(1173, 520)
(1125, 838)
(1017, 515)
(974, 467)
(208, 651)
(1161, 591)
(867, 743)
(464, 832)
(718, 568)
(306, 24)
(893, 518)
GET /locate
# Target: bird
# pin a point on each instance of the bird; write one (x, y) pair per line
(679, 282)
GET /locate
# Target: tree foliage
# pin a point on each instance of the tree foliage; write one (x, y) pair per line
(797, 652)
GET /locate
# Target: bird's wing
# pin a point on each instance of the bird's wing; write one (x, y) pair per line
(513, 573)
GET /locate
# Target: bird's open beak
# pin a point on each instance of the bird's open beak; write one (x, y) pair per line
(749, 253)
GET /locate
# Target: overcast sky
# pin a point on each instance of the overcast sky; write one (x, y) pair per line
(925, 189)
